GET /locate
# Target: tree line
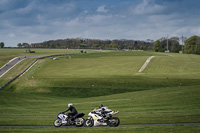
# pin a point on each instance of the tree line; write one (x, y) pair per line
(2, 44)
(96, 44)
(189, 46)
(192, 45)
(173, 45)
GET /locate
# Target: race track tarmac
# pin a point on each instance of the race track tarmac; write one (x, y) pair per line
(137, 125)
(4, 69)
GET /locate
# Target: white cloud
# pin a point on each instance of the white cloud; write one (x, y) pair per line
(195, 31)
(85, 11)
(11, 35)
(27, 9)
(35, 21)
(98, 19)
(102, 9)
(147, 7)
(73, 22)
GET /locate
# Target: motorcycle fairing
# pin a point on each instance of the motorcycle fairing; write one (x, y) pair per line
(61, 116)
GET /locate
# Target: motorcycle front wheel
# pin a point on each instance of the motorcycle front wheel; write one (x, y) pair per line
(89, 122)
(113, 122)
(58, 123)
(79, 122)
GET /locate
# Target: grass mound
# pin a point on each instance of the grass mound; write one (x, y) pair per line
(161, 105)
(99, 74)
(167, 91)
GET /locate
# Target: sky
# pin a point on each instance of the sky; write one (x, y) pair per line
(34, 21)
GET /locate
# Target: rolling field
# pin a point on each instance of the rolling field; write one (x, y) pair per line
(167, 91)
(8, 54)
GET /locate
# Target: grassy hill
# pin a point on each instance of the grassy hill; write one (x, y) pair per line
(94, 74)
(98, 74)
(167, 91)
(8, 54)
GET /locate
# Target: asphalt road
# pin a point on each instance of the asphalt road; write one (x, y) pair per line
(4, 69)
(139, 125)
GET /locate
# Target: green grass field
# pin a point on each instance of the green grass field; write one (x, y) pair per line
(167, 91)
(8, 54)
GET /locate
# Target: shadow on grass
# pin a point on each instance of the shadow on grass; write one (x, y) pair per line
(100, 87)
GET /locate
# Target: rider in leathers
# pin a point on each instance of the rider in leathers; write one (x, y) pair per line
(72, 109)
(104, 110)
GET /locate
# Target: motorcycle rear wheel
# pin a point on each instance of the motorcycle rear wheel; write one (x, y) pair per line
(79, 122)
(113, 122)
(57, 123)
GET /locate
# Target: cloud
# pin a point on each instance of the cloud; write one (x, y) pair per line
(35, 20)
(147, 7)
(102, 9)
(195, 31)
(98, 19)
(26, 9)
(11, 35)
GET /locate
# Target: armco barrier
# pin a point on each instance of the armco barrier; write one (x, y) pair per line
(3, 86)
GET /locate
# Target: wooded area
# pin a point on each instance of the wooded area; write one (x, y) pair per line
(173, 45)
(96, 44)
(189, 46)
(192, 45)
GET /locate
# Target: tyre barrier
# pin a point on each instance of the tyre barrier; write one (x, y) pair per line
(5, 85)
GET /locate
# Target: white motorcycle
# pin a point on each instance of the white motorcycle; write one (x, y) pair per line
(64, 120)
(97, 119)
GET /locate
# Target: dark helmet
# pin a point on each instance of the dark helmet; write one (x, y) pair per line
(101, 105)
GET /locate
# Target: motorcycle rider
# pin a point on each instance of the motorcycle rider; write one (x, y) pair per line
(72, 109)
(103, 110)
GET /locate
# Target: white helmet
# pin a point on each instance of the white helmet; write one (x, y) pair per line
(70, 104)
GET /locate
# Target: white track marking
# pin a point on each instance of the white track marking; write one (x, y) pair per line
(24, 57)
(145, 64)
(29, 68)
(9, 62)
(12, 66)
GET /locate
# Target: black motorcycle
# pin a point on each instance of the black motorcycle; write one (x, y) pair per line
(64, 120)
